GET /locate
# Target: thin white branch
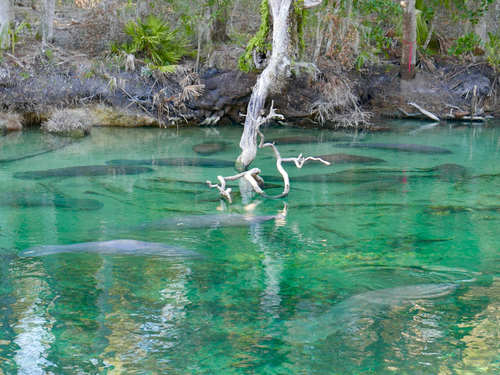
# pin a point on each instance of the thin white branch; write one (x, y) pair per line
(311, 3)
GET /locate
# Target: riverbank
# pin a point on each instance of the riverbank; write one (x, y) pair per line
(35, 85)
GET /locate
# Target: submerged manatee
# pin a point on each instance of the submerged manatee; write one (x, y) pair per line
(194, 222)
(116, 247)
(32, 199)
(210, 147)
(422, 149)
(88, 170)
(294, 140)
(361, 307)
(451, 172)
(194, 162)
(305, 140)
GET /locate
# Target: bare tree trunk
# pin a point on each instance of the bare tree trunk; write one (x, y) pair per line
(271, 79)
(319, 39)
(48, 9)
(489, 22)
(409, 42)
(6, 17)
(272, 75)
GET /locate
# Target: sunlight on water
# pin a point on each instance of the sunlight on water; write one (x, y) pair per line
(387, 261)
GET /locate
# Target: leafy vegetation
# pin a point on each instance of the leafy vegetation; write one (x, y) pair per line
(10, 35)
(493, 50)
(464, 44)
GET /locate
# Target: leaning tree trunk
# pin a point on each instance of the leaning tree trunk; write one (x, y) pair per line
(271, 79)
(6, 17)
(47, 24)
(409, 42)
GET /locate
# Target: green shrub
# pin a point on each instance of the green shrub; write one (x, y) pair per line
(258, 42)
(465, 43)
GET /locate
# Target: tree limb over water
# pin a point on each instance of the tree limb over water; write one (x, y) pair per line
(252, 176)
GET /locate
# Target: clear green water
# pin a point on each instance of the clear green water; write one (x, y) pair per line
(229, 313)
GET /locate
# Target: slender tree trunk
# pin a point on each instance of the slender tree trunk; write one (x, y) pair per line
(48, 9)
(409, 42)
(431, 30)
(319, 39)
(6, 17)
(219, 21)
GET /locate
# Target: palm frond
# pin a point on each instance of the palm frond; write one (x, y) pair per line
(192, 91)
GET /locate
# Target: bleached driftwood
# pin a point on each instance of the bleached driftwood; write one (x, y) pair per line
(252, 176)
(467, 118)
(425, 112)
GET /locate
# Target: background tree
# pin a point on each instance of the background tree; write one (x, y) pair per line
(219, 11)
(47, 24)
(6, 19)
(409, 40)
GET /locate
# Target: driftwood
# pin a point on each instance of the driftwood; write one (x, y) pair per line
(467, 118)
(424, 112)
(461, 115)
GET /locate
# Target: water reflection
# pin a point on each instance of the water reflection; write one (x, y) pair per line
(33, 323)
(142, 319)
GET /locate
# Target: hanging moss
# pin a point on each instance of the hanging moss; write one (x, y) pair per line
(300, 16)
(258, 42)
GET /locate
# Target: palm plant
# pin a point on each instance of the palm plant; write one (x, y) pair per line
(493, 48)
(157, 41)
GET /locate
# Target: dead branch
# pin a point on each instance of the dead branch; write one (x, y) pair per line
(252, 176)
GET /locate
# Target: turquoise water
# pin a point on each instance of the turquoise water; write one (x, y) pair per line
(289, 296)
